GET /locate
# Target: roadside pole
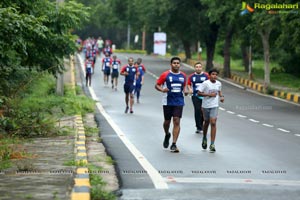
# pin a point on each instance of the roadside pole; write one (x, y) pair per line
(59, 75)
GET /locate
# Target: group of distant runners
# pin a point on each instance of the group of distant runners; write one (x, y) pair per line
(204, 88)
(111, 67)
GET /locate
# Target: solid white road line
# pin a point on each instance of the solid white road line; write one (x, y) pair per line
(232, 181)
(156, 178)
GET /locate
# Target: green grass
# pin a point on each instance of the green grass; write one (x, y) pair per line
(97, 185)
(278, 80)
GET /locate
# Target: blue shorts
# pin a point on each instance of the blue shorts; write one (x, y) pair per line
(107, 71)
(129, 88)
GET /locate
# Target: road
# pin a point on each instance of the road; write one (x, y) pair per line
(258, 144)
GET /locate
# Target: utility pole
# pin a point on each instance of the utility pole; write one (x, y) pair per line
(128, 36)
(144, 39)
(59, 75)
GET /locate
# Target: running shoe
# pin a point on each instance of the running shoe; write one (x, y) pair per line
(126, 109)
(204, 143)
(174, 148)
(198, 131)
(212, 148)
(166, 140)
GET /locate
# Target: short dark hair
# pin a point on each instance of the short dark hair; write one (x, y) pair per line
(175, 58)
(197, 63)
(213, 70)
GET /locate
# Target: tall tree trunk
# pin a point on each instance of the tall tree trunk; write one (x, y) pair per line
(187, 49)
(210, 42)
(227, 45)
(265, 35)
(245, 55)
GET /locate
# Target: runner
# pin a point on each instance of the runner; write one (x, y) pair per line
(194, 80)
(131, 73)
(88, 71)
(172, 83)
(100, 44)
(106, 67)
(211, 91)
(115, 72)
(139, 81)
(108, 50)
(139, 61)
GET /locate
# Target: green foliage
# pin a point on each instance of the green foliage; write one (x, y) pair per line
(130, 51)
(36, 111)
(40, 31)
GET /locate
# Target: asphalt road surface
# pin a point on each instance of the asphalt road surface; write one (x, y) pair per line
(258, 143)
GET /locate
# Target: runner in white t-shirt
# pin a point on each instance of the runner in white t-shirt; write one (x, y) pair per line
(211, 91)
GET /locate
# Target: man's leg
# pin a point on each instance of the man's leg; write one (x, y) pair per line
(213, 129)
(205, 127)
(176, 128)
(131, 102)
(126, 99)
(197, 112)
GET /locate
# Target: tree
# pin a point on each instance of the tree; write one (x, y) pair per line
(223, 19)
(263, 24)
(288, 42)
(35, 35)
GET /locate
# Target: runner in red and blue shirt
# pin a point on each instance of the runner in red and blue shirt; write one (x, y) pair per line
(115, 72)
(131, 73)
(106, 67)
(172, 83)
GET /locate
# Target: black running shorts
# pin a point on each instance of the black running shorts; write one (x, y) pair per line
(172, 111)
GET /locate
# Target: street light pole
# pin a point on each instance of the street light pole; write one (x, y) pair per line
(59, 75)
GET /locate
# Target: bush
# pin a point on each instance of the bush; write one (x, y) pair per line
(36, 111)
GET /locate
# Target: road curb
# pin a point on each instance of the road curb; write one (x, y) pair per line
(260, 88)
(81, 188)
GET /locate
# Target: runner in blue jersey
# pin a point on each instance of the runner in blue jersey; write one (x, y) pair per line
(139, 81)
(131, 73)
(106, 67)
(194, 81)
(172, 83)
(115, 72)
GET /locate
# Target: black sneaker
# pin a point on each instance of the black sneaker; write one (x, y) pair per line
(174, 148)
(126, 109)
(204, 144)
(166, 140)
(212, 148)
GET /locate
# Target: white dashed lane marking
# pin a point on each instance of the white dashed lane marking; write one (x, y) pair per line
(253, 120)
(230, 112)
(242, 116)
(268, 125)
(283, 130)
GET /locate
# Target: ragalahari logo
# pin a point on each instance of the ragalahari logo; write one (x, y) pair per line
(246, 8)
